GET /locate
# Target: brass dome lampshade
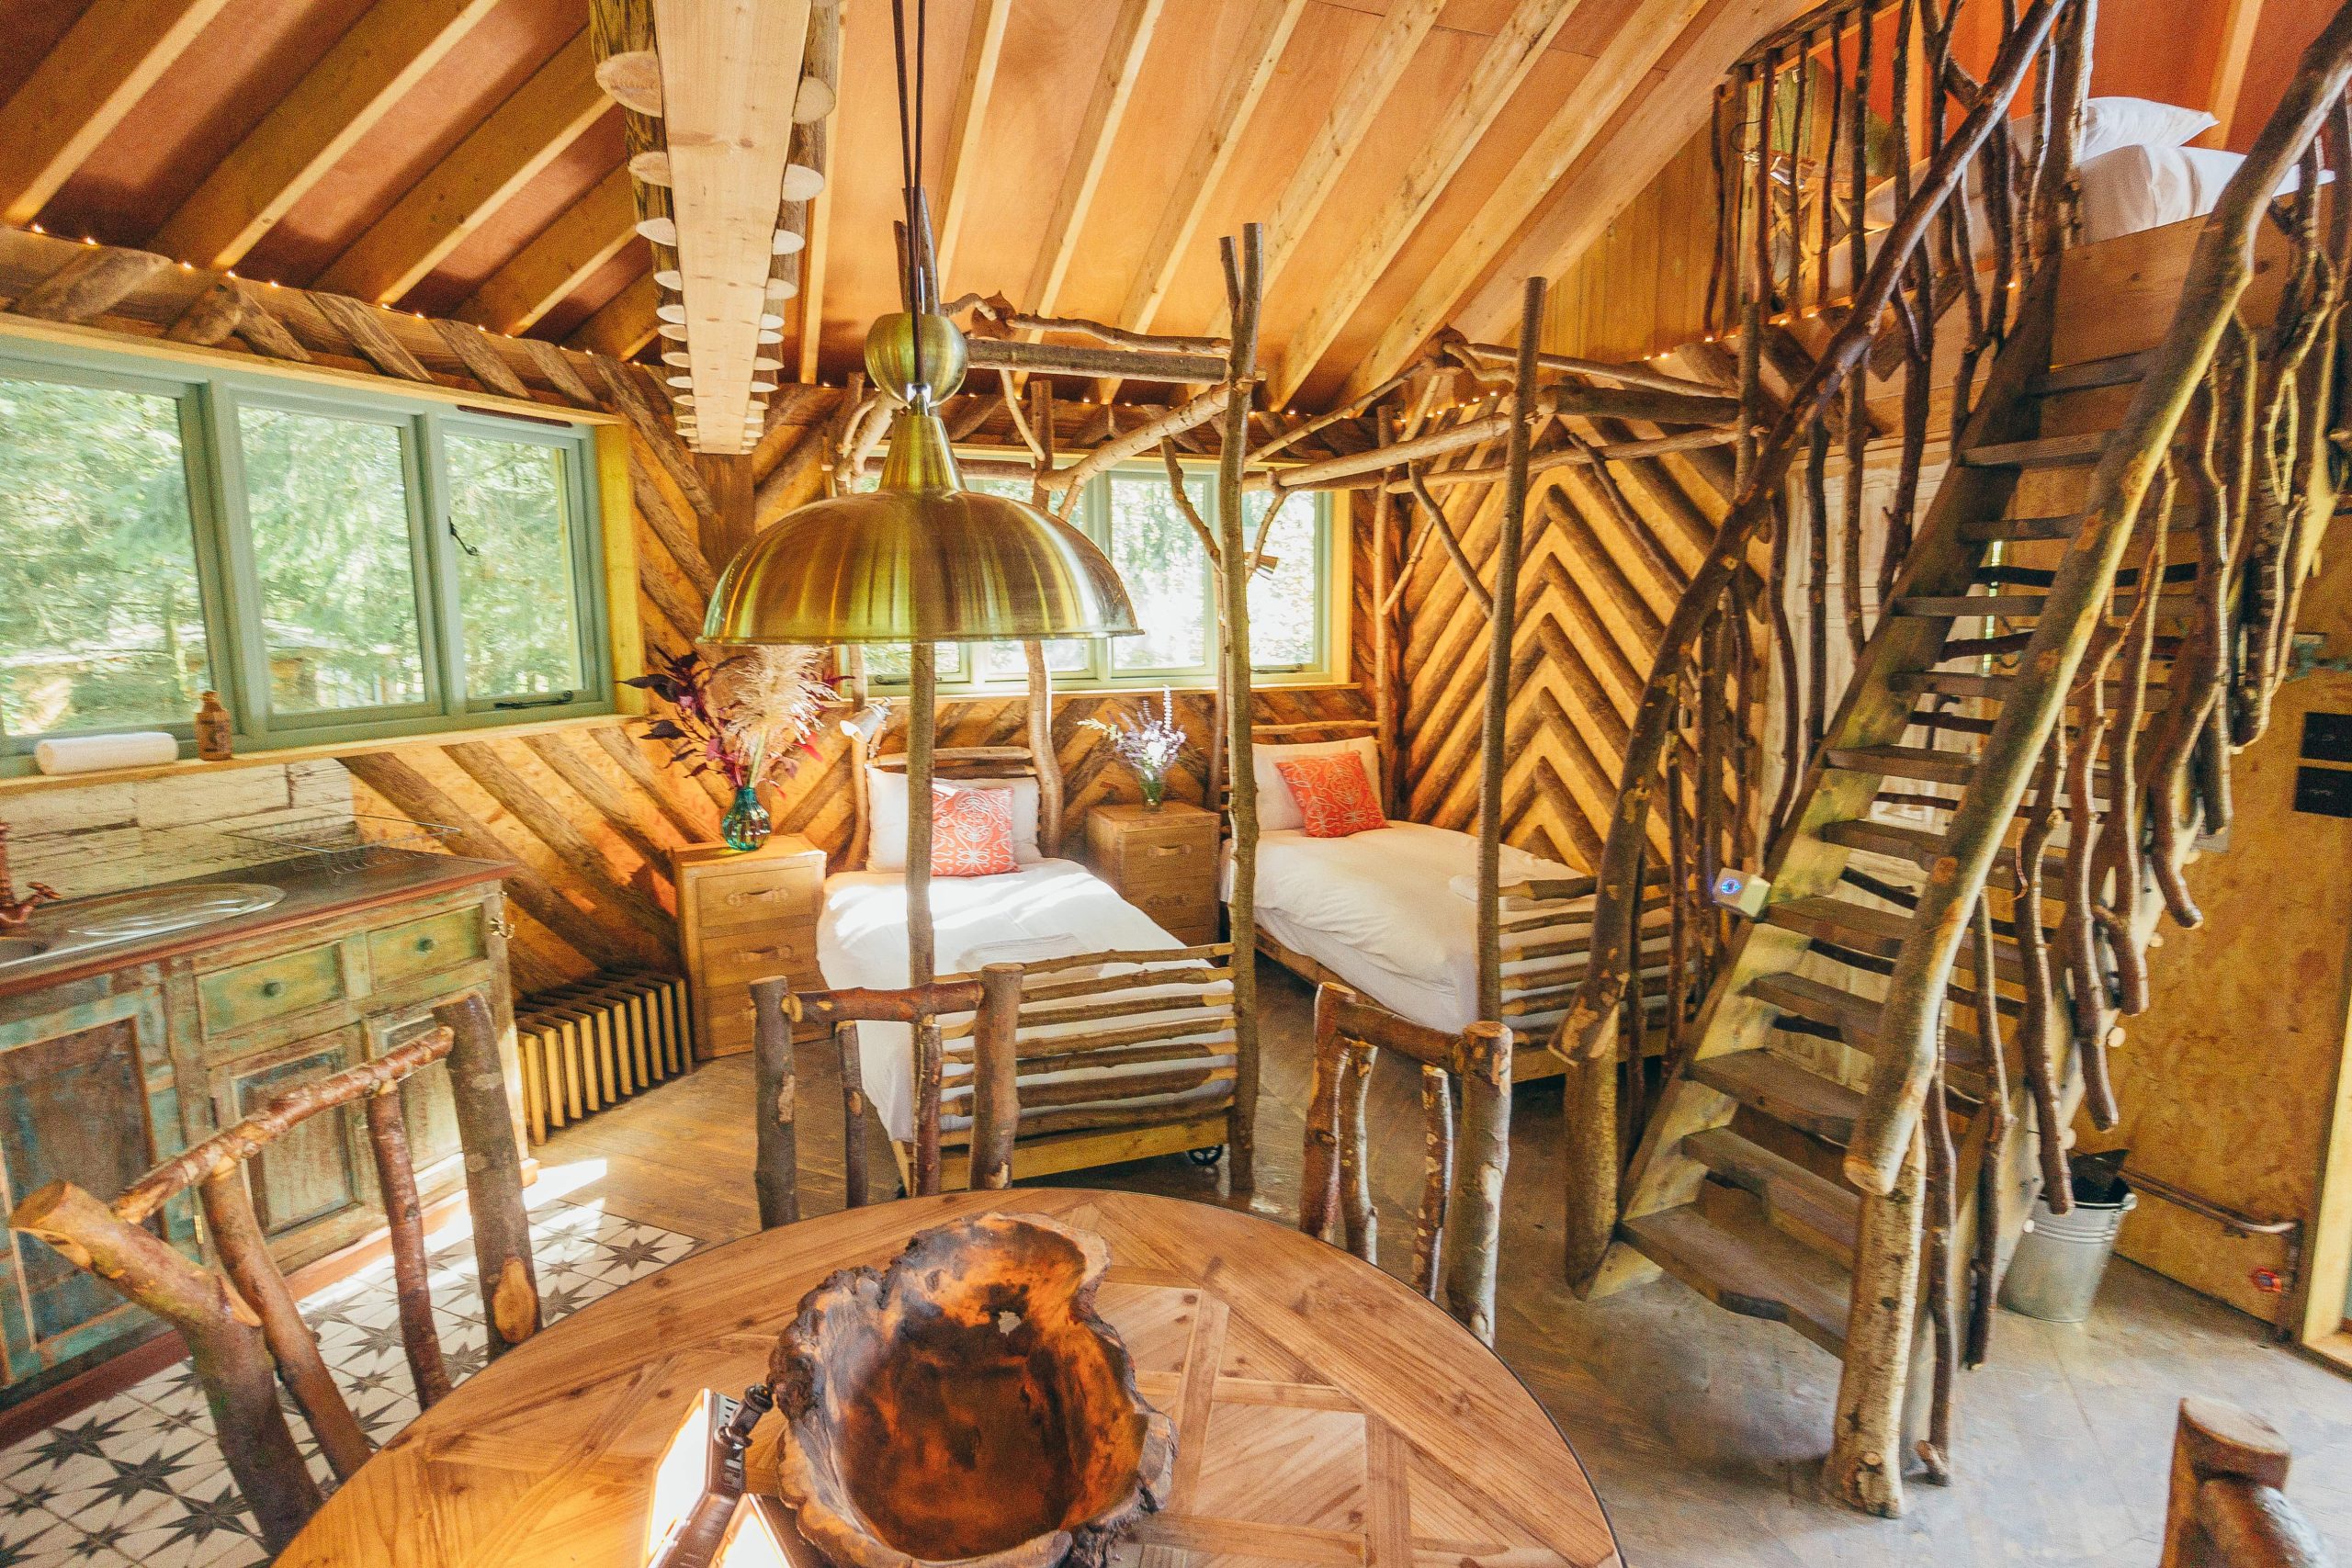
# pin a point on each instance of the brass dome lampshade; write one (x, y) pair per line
(921, 560)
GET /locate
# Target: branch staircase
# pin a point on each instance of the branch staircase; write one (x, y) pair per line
(1737, 1186)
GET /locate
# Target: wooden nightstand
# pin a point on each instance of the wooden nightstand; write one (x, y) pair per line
(1163, 862)
(745, 915)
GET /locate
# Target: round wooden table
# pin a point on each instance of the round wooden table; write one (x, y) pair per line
(1326, 1415)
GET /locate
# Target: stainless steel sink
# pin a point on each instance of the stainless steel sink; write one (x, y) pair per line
(16, 949)
(155, 910)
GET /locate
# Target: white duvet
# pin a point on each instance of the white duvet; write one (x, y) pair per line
(1046, 909)
(1380, 910)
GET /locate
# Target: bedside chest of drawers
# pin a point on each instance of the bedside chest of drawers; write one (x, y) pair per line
(1163, 862)
(745, 915)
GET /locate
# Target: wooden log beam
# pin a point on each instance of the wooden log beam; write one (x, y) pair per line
(983, 47)
(82, 90)
(363, 327)
(812, 148)
(469, 346)
(1106, 108)
(98, 278)
(1508, 58)
(1270, 30)
(1074, 359)
(586, 235)
(354, 86)
(498, 159)
(1634, 50)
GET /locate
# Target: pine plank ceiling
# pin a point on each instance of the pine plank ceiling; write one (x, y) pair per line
(1413, 159)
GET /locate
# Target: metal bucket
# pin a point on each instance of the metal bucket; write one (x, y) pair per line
(2060, 1260)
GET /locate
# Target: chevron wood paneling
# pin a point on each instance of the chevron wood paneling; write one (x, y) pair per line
(1595, 591)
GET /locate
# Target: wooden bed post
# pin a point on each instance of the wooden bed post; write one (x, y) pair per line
(996, 1102)
(1243, 277)
(1041, 755)
(922, 719)
(1494, 737)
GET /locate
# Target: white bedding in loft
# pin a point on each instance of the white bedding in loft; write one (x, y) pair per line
(1381, 912)
(1046, 909)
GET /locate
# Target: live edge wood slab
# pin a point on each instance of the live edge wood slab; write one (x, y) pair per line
(1325, 1413)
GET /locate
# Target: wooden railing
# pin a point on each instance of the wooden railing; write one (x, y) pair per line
(1901, 276)
(2284, 502)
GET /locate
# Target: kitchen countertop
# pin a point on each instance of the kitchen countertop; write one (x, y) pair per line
(313, 893)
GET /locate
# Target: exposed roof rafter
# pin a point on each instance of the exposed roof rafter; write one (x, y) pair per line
(981, 52)
(1508, 58)
(623, 324)
(82, 88)
(345, 95)
(1122, 63)
(1604, 89)
(537, 122)
(589, 233)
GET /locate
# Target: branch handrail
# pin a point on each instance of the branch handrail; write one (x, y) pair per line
(2217, 276)
(1584, 1032)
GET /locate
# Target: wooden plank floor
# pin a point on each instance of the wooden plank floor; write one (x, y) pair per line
(1703, 1431)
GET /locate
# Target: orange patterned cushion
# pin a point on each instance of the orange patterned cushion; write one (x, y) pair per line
(972, 833)
(1333, 794)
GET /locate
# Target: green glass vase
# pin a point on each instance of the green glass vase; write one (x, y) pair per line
(746, 824)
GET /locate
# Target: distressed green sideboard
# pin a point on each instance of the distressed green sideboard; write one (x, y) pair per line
(123, 1059)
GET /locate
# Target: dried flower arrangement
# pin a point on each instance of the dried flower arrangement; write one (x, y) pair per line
(1149, 748)
(745, 715)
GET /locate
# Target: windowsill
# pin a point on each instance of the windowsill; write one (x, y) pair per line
(896, 691)
(26, 783)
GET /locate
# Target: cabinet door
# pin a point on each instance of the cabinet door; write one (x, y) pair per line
(311, 1175)
(425, 1104)
(73, 1107)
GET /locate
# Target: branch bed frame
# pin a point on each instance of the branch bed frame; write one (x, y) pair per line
(1137, 1016)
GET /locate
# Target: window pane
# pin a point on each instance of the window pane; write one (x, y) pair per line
(100, 621)
(509, 508)
(328, 501)
(1282, 601)
(890, 660)
(1160, 558)
(1064, 656)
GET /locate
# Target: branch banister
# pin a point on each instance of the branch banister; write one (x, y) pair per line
(2217, 276)
(1586, 1030)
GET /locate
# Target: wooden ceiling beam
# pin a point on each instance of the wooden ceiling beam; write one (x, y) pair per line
(982, 50)
(1505, 62)
(355, 85)
(536, 124)
(589, 233)
(1359, 104)
(82, 88)
(2239, 22)
(624, 325)
(1623, 67)
(1270, 30)
(1615, 172)
(1114, 86)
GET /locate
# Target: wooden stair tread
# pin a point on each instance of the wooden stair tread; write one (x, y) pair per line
(2116, 370)
(1752, 1269)
(1922, 847)
(1767, 1082)
(1950, 684)
(1906, 761)
(1877, 933)
(1991, 530)
(1856, 1019)
(1821, 1214)
(2042, 451)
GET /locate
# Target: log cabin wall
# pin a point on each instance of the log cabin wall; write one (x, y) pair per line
(586, 810)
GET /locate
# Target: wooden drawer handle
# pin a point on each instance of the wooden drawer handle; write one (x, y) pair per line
(1168, 849)
(781, 952)
(426, 943)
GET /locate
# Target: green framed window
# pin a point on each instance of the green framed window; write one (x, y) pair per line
(1295, 631)
(338, 565)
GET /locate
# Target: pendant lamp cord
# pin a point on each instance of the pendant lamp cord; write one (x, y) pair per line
(911, 130)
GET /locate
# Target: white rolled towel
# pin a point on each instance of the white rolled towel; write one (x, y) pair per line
(92, 753)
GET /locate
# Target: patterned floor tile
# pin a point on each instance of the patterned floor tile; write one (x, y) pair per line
(138, 1479)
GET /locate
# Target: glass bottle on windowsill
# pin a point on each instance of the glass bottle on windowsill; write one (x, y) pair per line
(214, 731)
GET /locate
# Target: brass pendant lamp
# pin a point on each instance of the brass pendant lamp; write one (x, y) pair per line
(921, 560)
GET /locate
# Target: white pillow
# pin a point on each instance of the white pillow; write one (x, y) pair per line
(2109, 123)
(886, 798)
(1277, 809)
